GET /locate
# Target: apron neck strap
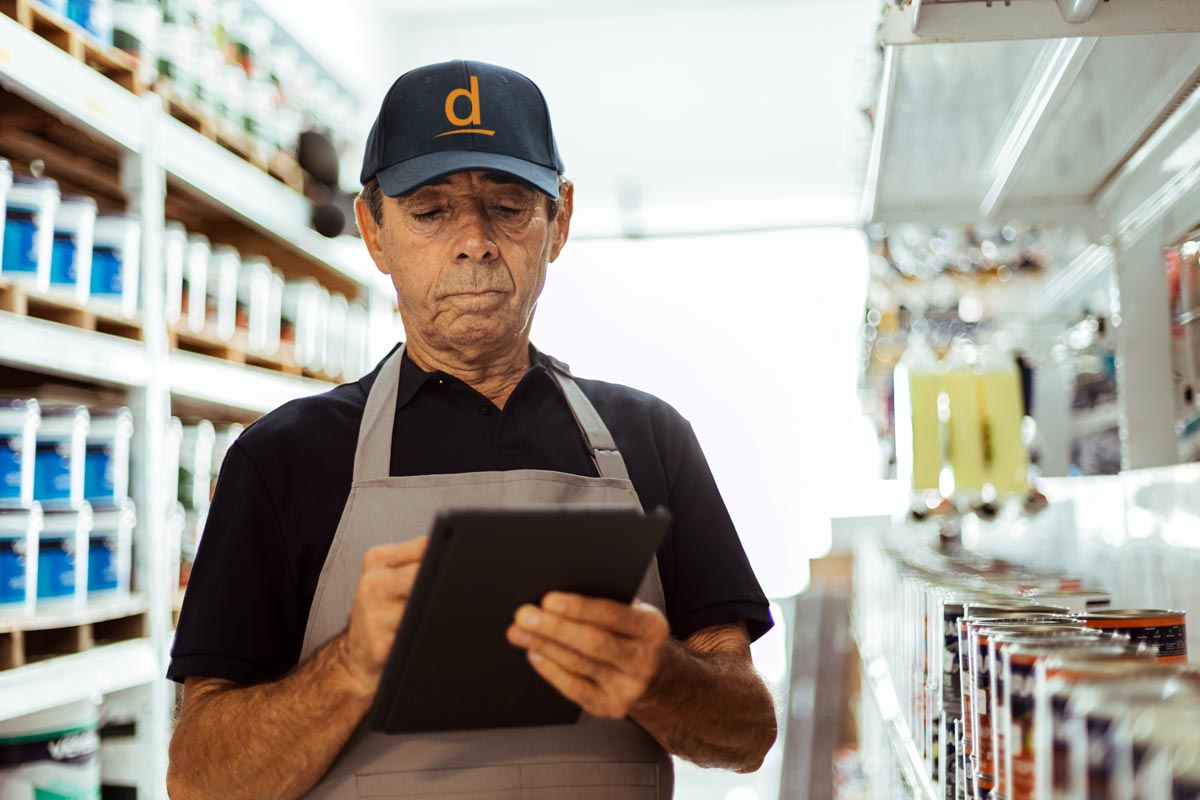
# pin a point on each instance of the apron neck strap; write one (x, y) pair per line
(373, 456)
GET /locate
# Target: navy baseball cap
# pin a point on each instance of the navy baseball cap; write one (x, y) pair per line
(459, 116)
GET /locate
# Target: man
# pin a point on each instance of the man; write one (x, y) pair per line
(317, 527)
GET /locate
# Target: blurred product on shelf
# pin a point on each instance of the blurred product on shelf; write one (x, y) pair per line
(106, 476)
(19, 420)
(71, 258)
(95, 17)
(1003, 411)
(1183, 282)
(110, 550)
(224, 266)
(51, 754)
(1004, 698)
(966, 426)
(919, 444)
(63, 558)
(29, 228)
(61, 453)
(259, 305)
(175, 250)
(20, 530)
(305, 307)
(197, 444)
(194, 291)
(116, 257)
(136, 30)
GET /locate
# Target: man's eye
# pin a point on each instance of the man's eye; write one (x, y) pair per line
(427, 216)
(508, 211)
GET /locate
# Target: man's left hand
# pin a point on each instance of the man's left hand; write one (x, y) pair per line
(601, 654)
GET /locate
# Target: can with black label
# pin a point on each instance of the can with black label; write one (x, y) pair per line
(1166, 630)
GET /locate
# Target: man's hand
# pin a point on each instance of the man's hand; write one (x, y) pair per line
(601, 654)
(384, 586)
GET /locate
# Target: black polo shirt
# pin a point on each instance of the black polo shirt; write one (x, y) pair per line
(283, 485)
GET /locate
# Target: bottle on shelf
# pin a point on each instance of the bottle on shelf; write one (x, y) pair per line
(1004, 411)
(918, 430)
(966, 437)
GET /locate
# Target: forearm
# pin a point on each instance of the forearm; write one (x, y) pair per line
(273, 740)
(712, 709)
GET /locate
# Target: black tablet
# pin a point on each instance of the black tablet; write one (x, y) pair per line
(451, 666)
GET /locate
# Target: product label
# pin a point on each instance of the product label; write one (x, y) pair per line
(62, 260)
(52, 472)
(1171, 640)
(76, 748)
(1021, 713)
(12, 571)
(107, 268)
(20, 242)
(102, 564)
(10, 469)
(99, 467)
(56, 568)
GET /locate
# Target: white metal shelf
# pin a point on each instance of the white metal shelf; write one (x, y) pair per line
(882, 691)
(254, 389)
(52, 79)
(931, 21)
(67, 679)
(97, 610)
(36, 344)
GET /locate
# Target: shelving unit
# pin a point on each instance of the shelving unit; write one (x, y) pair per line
(131, 154)
(881, 691)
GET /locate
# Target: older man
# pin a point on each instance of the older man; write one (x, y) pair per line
(319, 520)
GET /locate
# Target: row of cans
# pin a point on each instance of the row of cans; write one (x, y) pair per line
(1000, 671)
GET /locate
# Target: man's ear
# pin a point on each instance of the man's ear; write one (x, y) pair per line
(562, 222)
(370, 233)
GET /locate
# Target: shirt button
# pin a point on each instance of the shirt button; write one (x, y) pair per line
(484, 410)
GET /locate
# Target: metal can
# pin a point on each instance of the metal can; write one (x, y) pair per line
(1166, 630)
(1148, 741)
(1079, 600)
(978, 632)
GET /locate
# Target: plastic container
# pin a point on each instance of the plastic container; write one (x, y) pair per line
(966, 443)
(19, 532)
(136, 27)
(61, 450)
(106, 472)
(177, 57)
(29, 228)
(63, 557)
(196, 452)
(231, 102)
(335, 336)
(95, 17)
(116, 256)
(224, 267)
(256, 285)
(175, 245)
(51, 754)
(918, 429)
(194, 298)
(1004, 409)
(71, 254)
(110, 551)
(302, 302)
(172, 441)
(19, 420)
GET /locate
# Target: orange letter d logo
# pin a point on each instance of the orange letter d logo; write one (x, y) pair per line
(472, 96)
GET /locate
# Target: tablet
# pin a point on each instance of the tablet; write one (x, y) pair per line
(451, 666)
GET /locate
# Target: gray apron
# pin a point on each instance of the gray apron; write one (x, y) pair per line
(596, 759)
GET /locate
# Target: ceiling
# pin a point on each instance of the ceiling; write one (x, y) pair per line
(672, 116)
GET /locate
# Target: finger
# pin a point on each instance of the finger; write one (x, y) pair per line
(394, 555)
(590, 640)
(636, 620)
(574, 661)
(391, 584)
(571, 686)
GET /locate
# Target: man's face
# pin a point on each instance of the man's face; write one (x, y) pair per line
(467, 255)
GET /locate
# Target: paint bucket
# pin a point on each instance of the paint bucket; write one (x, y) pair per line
(51, 754)
(110, 550)
(63, 558)
(71, 254)
(106, 462)
(19, 421)
(19, 532)
(116, 256)
(224, 267)
(136, 31)
(1166, 630)
(29, 228)
(61, 450)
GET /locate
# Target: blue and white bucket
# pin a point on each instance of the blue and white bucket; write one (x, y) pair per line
(116, 255)
(60, 462)
(29, 228)
(19, 421)
(224, 267)
(71, 255)
(62, 575)
(95, 17)
(106, 462)
(110, 551)
(51, 755)
(175, 245)
(195, 283)
(19, 534)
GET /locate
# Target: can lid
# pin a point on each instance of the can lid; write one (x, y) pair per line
(29, 180)
(1119, 614)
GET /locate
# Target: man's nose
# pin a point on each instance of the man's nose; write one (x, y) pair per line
(474, 236)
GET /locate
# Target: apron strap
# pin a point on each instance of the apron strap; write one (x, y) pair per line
(608, 459)
(373, 457)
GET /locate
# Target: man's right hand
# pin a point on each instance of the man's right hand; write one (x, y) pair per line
(384, 586)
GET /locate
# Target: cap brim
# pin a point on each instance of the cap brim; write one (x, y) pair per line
(402, 178)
